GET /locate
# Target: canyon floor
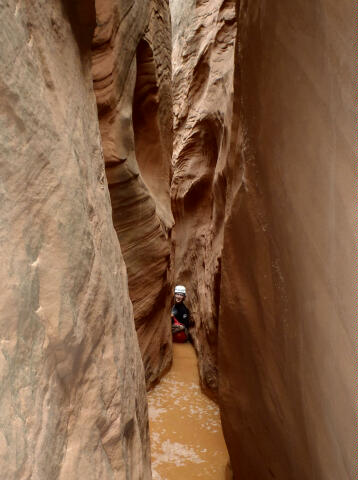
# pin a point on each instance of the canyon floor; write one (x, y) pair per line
(186, 436)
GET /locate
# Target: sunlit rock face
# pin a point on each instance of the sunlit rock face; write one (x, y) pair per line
(72, 381)
(203, 67)
(132, 81)
(285, 338)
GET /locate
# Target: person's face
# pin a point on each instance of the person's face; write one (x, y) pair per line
(179, 297)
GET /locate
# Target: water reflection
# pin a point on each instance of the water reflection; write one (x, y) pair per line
(186, 436)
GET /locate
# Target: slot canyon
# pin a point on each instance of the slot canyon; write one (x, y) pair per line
(149, 143)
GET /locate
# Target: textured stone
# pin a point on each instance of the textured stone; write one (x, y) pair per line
(203, 67)
(263, 241)
(263, 238)
(72, 382)
(132, 78)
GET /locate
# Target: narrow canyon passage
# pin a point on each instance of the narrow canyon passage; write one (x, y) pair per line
(186, 436)
(152, 143)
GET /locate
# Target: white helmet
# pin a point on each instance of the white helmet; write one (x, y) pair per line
(180, 289)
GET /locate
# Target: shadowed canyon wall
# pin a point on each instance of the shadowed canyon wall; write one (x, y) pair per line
(203, 67)
(132, 82)
(285, 337)
(262, 190)
(72, 392)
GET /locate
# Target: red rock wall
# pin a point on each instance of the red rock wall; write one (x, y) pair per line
(132, 82)
(263, 236)
(203, 67)
(72, 381)
(285, 338)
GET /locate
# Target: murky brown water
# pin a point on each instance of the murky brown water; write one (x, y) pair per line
(186, 437)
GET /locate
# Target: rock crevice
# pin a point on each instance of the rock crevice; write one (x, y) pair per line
(263, 238)
(133, 90)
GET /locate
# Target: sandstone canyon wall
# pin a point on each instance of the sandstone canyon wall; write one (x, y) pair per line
(72, 381)
(285, 336)
(132, 82)
(203, 67)
(262, 192)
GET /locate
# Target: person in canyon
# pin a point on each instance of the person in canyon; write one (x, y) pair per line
(180, 315)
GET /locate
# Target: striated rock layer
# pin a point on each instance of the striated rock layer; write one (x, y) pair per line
(203, 67)
(72, 382)
(132, 81)
(263, 237)
(285, 338)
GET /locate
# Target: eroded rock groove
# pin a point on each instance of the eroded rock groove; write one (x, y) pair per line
(217, 155)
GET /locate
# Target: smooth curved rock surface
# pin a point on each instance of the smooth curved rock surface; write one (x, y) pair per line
(72, 394)
(285, 343)
(132, 81)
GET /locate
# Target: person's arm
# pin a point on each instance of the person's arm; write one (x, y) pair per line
(186, 316)
(173, 313)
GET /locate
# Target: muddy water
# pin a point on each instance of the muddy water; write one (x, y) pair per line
(186, 436)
